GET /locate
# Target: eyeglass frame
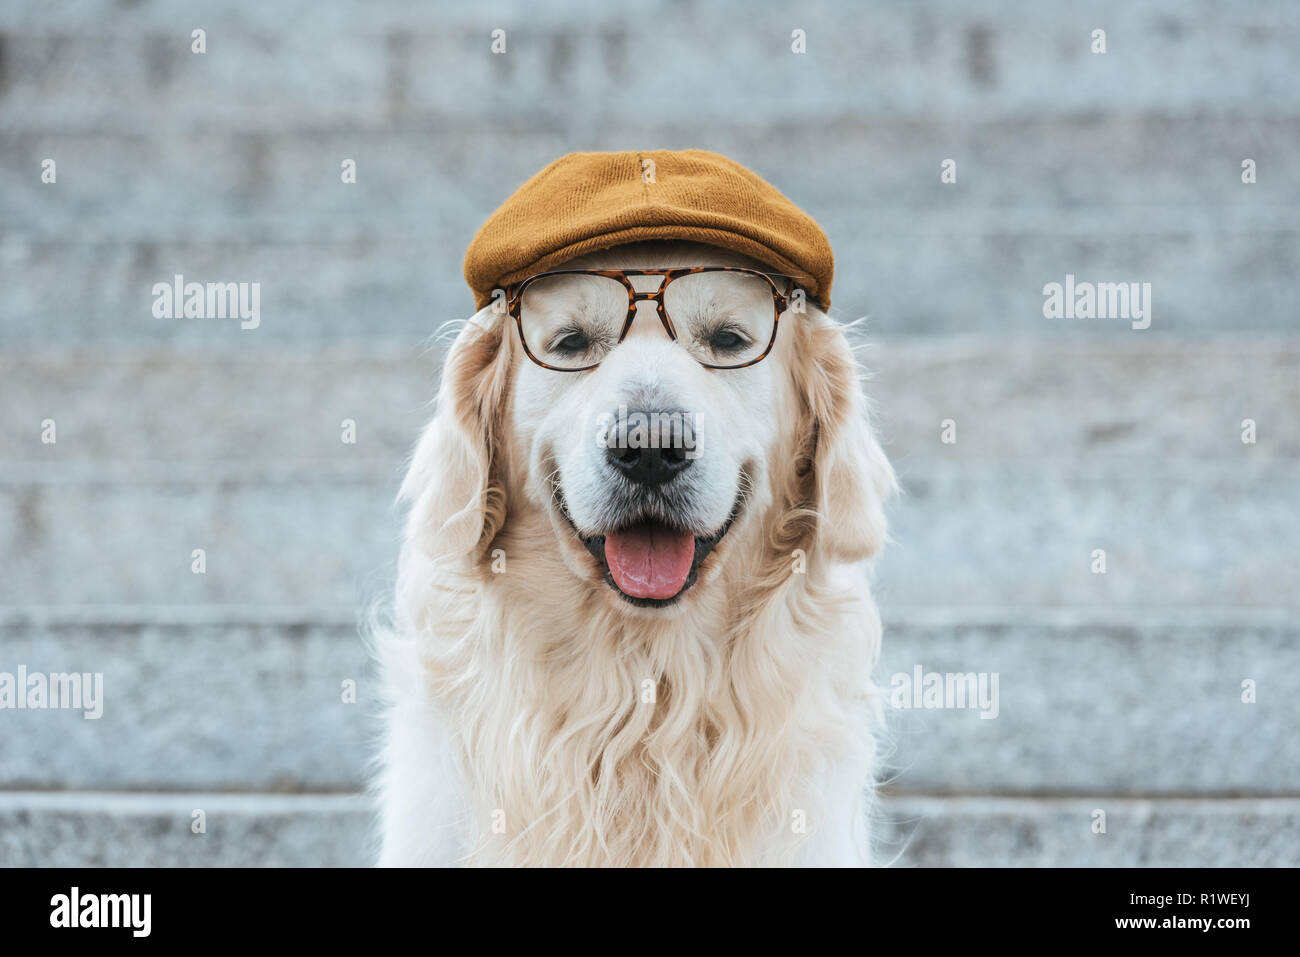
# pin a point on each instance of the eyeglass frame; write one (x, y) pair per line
(780, 305)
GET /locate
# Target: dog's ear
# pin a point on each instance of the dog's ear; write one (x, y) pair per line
(455, 481)
(851, 477)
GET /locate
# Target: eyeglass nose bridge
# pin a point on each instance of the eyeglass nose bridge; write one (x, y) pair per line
(657, 297)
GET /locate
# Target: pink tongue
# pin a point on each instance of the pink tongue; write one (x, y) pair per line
(649, 561)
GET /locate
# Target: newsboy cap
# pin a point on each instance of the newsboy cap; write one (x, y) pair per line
(585, 202)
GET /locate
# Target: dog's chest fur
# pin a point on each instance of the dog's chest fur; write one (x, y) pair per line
(581, 739)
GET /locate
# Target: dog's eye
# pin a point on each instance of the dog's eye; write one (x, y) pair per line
(726, 340)
(571, 344)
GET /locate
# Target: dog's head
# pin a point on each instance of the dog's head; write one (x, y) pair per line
(663, 461)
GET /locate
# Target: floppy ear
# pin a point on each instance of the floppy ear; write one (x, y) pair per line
(455, 480)
(851, 476)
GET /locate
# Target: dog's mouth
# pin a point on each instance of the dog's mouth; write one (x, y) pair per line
(650, 563)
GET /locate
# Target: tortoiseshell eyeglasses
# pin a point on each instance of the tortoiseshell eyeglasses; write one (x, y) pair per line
(725, 316)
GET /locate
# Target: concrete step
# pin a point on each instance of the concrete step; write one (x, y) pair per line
(1128, 702)
(259, 412)
(118, 830)
(1019, 533)
(94, 66)
(935, 273)
(983, 534)
(1125, 702)
(1105, 174)
(193, 699)
(1047, 832)
(96, 829)
(1123, 403)
(1061, 449)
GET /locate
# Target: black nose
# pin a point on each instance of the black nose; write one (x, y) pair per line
(650, 456)
(649, 466)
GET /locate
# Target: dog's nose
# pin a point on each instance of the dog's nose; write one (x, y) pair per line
(649, 466)
(653, 456)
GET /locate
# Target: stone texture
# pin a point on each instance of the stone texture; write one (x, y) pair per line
(1015, 175)
(968, 534)
(1132, 702)
(1053, 832)
(906, 274)
(96, 829)
(196, 704)
(938, 57)
(1117, 167)
(1072, 436)
(1119, 702)
(114, 830)
(262, 412)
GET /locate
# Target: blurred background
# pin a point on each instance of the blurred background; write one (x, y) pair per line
(225, 691)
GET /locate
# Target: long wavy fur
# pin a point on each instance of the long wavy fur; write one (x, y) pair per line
(579, 735)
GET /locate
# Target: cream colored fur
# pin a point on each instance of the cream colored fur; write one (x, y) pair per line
(535, 718)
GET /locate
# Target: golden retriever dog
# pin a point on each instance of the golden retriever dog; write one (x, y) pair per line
(627, 645)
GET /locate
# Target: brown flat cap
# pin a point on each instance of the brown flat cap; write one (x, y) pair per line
(585, 202)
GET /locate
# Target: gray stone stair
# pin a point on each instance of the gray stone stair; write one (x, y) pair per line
(1138, 702)
(114, 830)
(1015, 533)
(416, 182)
(1097, 165)
(908, 274)
(409, 60)
(1062, 448)
(236, 411)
